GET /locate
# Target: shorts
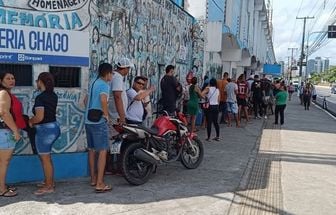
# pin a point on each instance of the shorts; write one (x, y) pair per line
(97, 136)
(232, 107)
(242, 102)
(7, 141)
(46, 135)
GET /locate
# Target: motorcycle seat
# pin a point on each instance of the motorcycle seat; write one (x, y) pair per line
(152, 130)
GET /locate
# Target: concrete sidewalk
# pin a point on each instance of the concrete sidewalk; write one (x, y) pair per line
(258, 169)
(294, 170)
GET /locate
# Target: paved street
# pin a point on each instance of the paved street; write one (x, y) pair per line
(260, 168)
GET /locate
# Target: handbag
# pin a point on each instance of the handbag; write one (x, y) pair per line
(206, 104)
(94, 115)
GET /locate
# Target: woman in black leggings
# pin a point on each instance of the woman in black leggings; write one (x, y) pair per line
(212, 93)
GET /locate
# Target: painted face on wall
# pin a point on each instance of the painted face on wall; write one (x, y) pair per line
(95, 35)
(131, 47)
(94, 59)
(140, 44)
(110, 54)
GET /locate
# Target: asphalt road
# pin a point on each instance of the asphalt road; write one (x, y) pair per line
(330, 104)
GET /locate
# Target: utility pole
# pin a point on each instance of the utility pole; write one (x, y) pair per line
(288, 69)
(291, 64)
(303, 39)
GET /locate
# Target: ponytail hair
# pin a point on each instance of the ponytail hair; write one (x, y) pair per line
(48, 81)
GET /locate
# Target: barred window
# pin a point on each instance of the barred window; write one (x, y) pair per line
(23, 73)
(66, 76)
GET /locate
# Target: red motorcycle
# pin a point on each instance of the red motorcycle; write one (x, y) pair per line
(142, 149)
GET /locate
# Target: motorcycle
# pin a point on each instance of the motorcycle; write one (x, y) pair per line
(142, 149)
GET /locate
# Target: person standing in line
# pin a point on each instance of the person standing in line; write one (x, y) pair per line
(257, 97)
(147, 104)
(47, 128)
(300, 92)
(221, 84)
(291, 90)
(118, 97)
(242, 96)
(11, 121)
(231, 90)
(97, 132)
(212, 93)
(280, 104)
(192, 105)
(117, 107)
(135, 113)
(307, 96)
(170, 89)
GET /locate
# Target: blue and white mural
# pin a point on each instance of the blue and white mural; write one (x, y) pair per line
(152, 33)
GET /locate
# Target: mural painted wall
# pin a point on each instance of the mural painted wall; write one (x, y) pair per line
(152, 33)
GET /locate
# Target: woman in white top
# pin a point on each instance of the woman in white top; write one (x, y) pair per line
(212, 93)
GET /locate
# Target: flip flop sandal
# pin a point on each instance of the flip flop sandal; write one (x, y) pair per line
(8, 193)
(92, 184)
(12, 188)
(107, 188)
(43, 191)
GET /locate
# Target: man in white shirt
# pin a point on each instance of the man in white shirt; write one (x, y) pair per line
(118, 98)
(135, 110)
(232, 90)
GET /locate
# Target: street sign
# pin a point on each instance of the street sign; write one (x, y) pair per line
(303, 63)
(332, 31)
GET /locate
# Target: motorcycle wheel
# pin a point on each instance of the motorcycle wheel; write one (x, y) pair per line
(192, 154)
(136, 172)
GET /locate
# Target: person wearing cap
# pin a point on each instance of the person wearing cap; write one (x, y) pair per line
(118, 98)
(170, 89)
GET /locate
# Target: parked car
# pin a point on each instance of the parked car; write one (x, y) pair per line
(333, 89)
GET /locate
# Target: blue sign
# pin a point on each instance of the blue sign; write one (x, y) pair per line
(21, 44)
(272, 69)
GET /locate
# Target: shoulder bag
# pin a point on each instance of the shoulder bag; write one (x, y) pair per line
(94, 115)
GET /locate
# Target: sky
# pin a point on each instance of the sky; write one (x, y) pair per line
(287, 30)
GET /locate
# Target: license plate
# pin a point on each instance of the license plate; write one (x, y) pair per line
(115, 147)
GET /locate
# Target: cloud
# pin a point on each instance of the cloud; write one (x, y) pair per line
(288, 30)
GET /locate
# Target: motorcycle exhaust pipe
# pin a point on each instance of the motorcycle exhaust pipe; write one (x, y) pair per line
(146, 156)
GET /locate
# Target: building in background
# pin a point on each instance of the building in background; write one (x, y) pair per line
(311, 66)
(326, 66)
(238, 37)
(71, 40)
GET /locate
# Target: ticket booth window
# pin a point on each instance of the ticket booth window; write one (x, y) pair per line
(66, 76)
(23, 73)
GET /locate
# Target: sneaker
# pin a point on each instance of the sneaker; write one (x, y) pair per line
(265, 117)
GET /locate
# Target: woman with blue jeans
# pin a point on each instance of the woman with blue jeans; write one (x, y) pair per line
(47, 128)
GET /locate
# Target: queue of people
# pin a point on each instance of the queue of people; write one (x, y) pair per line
(12, 123)
(109, 102)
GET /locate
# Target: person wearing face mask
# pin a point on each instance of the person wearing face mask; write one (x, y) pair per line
(11, 121)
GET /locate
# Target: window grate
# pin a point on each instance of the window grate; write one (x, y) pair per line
(23, 73)
(66, 76)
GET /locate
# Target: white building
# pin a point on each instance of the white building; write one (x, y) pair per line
(238, 37)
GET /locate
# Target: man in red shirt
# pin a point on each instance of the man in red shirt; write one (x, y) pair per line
(242, 96)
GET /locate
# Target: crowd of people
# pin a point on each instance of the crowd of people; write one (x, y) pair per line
(109, 102)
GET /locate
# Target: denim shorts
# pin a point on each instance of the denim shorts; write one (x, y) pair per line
(232, 107)
(97, 136)
(7, 141)
(46, 135)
